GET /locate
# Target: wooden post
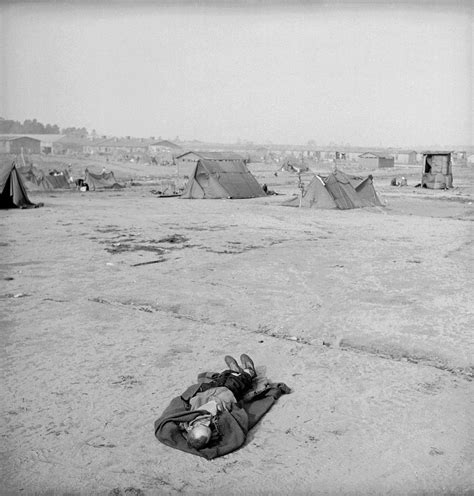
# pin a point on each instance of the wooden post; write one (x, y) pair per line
(300, 186)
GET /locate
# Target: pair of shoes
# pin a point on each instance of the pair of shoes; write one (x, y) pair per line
(231, 362)
(247, 364)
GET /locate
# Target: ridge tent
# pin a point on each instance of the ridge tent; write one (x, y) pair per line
(316, 196)
(12, 190)
(342, 191)
(337, 191)
(58, 181)
(222, 179)
(106, 180)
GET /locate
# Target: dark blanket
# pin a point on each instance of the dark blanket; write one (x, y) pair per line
(233, 426)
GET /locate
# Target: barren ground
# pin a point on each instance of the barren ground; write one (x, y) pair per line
(365, 314)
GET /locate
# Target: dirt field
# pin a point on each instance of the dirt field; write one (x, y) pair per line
(365, 314)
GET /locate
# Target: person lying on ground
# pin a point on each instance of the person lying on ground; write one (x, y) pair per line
(213, 417)
(216, 396)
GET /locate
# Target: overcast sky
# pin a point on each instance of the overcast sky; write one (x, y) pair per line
(364, 74)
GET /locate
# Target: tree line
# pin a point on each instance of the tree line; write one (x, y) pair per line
(32, 126)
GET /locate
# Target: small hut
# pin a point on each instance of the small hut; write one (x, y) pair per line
(376, 160)
(437, 170)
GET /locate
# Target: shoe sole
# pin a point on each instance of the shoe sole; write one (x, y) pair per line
(231, 362)
(246, 360)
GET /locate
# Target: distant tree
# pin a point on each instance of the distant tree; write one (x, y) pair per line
(9, 127)
(75, 131)
(33, 126)
(51, 129)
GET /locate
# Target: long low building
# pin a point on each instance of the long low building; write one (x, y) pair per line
(17, 144)
(376, 160)
(192, 157)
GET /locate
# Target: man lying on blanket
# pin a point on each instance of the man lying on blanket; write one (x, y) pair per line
(212, 418)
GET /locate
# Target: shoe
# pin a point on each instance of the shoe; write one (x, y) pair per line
(247, 364)
(231, 362)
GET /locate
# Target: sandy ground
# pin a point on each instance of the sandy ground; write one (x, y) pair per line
(365, 314)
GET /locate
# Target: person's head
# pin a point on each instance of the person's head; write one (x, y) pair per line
(199, 436)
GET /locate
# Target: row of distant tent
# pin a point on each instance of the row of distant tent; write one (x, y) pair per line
(16, 181)
(216, 179)
(36, 180)
(210, 179)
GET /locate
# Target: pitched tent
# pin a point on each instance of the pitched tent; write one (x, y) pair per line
(366, 192)
(58, 181)
(222, 179)
(316, 196)
(106, 180)
(342, 191)
(337, 191)
(292, 165)
(36, 180)
(12, 190)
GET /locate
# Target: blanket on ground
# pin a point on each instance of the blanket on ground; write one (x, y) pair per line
(232, 426)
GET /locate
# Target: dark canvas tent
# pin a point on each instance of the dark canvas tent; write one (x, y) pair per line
(12, 190)
(337, 191)
(222, 179)
(106, 180)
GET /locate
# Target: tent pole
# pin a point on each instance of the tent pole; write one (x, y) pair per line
(300, 186)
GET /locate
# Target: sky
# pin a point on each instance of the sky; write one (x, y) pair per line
(367, 74)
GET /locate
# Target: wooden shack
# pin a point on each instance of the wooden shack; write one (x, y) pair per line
(437, 170)
(376, 160)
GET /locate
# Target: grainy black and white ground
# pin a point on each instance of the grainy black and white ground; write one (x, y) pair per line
(112, 302)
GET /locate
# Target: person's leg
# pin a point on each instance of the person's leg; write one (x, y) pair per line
(237, 383)
(232, 364)
(247, 364)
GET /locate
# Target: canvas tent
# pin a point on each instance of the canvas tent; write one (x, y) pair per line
(106, 180)
(12, 190)
(35, 179)
(366, 192)
(292, 165)
(222, 179)
(337, 191)
(316, 196)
